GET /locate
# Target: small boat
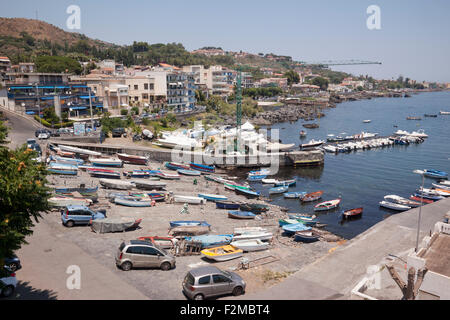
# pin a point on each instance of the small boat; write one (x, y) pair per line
(293, 195)
(157, 196)
(262, 235)
(394, 206)
(132, 159)
(430, 115)
(174, 224)
(137, 174)
(73, 161)
(289, 183)
(440, 186)
(79, 150)
(443, 192)
(189, 199)
(256, 177)
(305, 219)
(175, 166)
(234, 186)
(303, 133)
(114, 224)
(229, 205)
(149, 185)
(106, 162)
(81, 190)
(306, 236)
(189, 172)
(431, 173)
(293, 228)
(430, 192)
(278, 190)
(223, 253)
(168, 175)
(352, 213)
(104, 173)
(413, 118)
(259, 172)
(63, 201)
(311, 125)
(327, 205)
(419, 199)
(311, 144)
(210, 240)
(313, 196)
(59, 168)
(403, 201)
(444, 112)
(190, 230)
(254, 207)
(283, 222)
(212, 197)
(250, 245)
(202, 167)
(131, 201)
(249, 194)
(367, 121)
(116, 184)
(241, 230)
(445, 183)
(269, 181)
(241, 215)
(162, 242)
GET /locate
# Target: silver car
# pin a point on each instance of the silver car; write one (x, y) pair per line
(204, 282)
(143, 254)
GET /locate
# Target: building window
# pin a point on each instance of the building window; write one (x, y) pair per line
(152, 86)
(135, 87)
(145, 86)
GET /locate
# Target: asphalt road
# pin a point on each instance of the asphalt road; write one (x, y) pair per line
(21, 128)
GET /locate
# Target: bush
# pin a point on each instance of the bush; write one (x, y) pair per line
(135, 110)
(55, 125)
(124, 112)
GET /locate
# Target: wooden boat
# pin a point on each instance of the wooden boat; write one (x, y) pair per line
(306, 236)
(233, 186)
(81, 190)
(283, 222)
(132, 159)
(106, 162)
(352, 213)
(211, 240)
(294, 195)
(223, 253)
(419, 199)
(202, 167)
(313, 196)
(250, 245)
(430, 115)
(168, 175)
(72, 161)
(175, 166)
(157, 196)
(212, 197)
(250, 235)
(116, 184)
(241, 215)
(254, 207)
(431, 173)
(114, 224)
(397, 199)
(139, 174)
(63, 201)
(327, 205)
(79, 150)
(149, 185)
(305, 219)
(242, 230)
(249, 194)
(131, 201)
(293, 228)
(394, 206)
(174, 224)
(289, 183)
(189, 172)
(229, 205)
(102, 173)
(256, 177)
(278, 190)
(63, 170)
(269, 181)
(183, 231)
(189, 199)
(413, 118)
(162, 242)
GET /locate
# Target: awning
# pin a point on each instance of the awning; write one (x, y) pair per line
(78, 108)
(87, 97)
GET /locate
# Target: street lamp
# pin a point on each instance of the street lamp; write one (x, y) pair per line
(421, 172)
(38, 104)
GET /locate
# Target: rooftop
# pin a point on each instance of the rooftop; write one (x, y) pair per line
(438, 255)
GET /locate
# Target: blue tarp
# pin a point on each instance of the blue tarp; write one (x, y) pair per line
(87, 97)
(78, 108)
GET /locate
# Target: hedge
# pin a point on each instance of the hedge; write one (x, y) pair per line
(56, 125)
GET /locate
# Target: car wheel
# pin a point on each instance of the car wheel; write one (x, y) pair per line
(126, 266)
(70, 224)
(199, 297)
(238, 291)
(8, 291)
(165, 266)
(13, 266)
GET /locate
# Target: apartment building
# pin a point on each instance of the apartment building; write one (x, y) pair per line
(180, 91)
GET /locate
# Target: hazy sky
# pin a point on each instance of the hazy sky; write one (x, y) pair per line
(413, 40)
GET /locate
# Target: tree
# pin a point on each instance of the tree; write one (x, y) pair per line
(24, 197)
(321, 82)
(3, 134)
(57, 64)
(292, 77)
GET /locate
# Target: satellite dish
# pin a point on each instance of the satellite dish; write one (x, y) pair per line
(147, 133)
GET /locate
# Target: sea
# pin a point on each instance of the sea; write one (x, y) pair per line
(362, 178)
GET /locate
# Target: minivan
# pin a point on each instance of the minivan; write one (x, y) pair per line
(81, 215)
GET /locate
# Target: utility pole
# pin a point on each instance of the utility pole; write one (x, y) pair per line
(90, 106)
(38, 104)
(238, 107)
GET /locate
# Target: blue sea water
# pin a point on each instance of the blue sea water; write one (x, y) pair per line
(363, 178)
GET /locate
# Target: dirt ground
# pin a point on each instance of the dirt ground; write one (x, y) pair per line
(283, 258)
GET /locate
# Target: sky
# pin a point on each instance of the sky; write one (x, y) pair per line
(413, 39)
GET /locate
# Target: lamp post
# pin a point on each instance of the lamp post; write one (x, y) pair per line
(38, 104)
(421, 172)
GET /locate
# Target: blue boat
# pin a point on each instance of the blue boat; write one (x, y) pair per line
(427, 196)
(306, 236)
(431, 173)
(80, 190)
(202, 167)
(62, 168)
(189, 172)
(294, 227)
(241, 215)
(174, 224)
(210, 240)
(72, 161)
(289, 183)
(212, 197)
(249, 194)
(62, 171)
(293, 195)
(229, 205)
(175, 166)
(256, 177)
(306, 220)
(278, 190)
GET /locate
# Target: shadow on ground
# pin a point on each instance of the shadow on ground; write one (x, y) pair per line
(26, 292)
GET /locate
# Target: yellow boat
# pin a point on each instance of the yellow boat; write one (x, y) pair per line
(222, 253)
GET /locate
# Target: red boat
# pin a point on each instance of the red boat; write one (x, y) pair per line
(418, 199)
(309, 197)
(128, 158)
(100, 170)
(353, 213)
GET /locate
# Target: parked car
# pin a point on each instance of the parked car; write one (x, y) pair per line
(42, 131)
(205, 282)
(143, 254)
(8, 283)
(13, 263)
(80, 215)
(54, 133)
(118, 132)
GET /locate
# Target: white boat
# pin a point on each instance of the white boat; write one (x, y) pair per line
(332, 149)
(269, 181)
(189, 199)
(241, 230)
(116, 184)
(419, 133)
(311, 144)
(250, 235)
(106, 162)
(145, 184)
(367, 121)
(433, 192)
(394, 206)
(444, 112)
(400, 200)
(440, 186)
(79, 150)
(250, 245)
(445, 182)
(63, 201)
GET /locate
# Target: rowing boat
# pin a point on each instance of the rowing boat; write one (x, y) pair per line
(241, 215)
(313, 196)
(327, 205)
(223, 253)
(394, 206)
(132, 159)
(352, 213)
(250, 245)
(212, 197)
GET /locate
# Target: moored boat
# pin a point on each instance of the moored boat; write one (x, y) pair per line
(249, 194)
(278, 190)
(293, 228)
(431, 173)
(293, 195)
(352, 213)
(397, 199)
(311, 144)
(394, 206)
(313, 196)
(289, 183)
(202, 167)
(327, 205)
(241, 215)
(421, 199)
